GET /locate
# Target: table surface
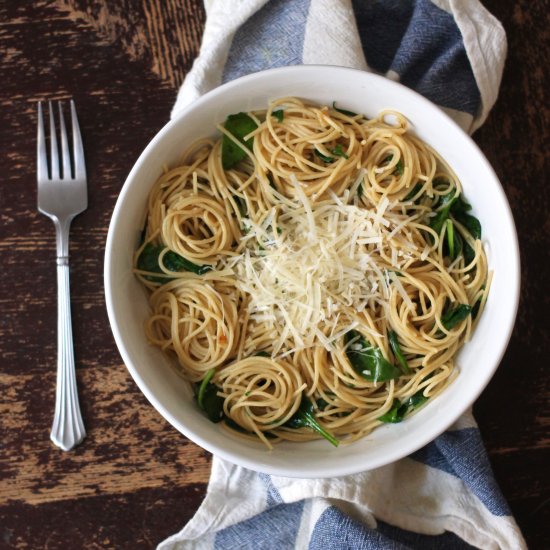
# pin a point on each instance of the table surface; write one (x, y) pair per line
(135, 480)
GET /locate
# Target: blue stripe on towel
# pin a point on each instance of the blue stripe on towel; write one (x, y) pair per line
(461, 453)
(423, 45)
(337, 531)
(276, 527)
(272, 37)
(382, 25)
(273, 495)
(445, 541)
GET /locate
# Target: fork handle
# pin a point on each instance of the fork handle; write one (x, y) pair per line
(68, 428)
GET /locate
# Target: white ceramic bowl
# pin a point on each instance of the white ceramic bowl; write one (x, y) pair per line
(361, 92)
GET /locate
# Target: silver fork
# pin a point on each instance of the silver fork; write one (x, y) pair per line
(62, 194)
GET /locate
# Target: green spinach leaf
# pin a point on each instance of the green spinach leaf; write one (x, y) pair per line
(322, 404)
(475, 308)
(469, 253)
(239, 125)
(230, 423)
(149, 261)
(324, 158)
(400, 409)
(471, 223)
(208, 399)
(453, 241)
(461, 206)
(446, 203)
(398, 167)
(343, 111)
(279, 114)
(460, 211)
(338, 151)
(394, 415)
(367, 360)
(304, 417)
(452, 316)
(396, 348)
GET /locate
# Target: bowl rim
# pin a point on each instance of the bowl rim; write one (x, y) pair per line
(433, 429)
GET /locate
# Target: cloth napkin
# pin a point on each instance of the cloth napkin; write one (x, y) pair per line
(444, 495)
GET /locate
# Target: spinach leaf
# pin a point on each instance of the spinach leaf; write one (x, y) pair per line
(452, 316)
(338, 151)
(453, 241)
(262, 353)
(368, 360)
(415, 400)
(279, 114)
(234, 426)
(230, 423)
(396, 348)
(208, 399)
(239, 125)
(475, 308)
(304, 417)
(149, 261)
(456, 206)
(446, 202)
(174, 262)
(322, 404)
(400, 410)
(343, 111)
(471, 223)
(203, 385)
(398, 167)
(460, 210)
(394, 415)
(461, 206)
(324, 158)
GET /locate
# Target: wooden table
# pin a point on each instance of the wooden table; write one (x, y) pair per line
(135, 480)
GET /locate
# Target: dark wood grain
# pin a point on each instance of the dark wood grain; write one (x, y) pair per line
(136, 480)
(513, 412)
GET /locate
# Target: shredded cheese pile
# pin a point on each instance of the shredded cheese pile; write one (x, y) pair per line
(305, 262)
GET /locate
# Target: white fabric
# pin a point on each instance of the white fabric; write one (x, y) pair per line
(334, 40)
(404, 494)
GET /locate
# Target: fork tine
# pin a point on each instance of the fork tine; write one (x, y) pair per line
(54, 158)
(41, 155)
(79, 165)
(65, 154)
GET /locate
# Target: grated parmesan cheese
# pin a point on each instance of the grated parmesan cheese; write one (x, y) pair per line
(322, 257)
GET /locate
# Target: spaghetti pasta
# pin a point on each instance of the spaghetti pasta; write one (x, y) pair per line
(314, 270)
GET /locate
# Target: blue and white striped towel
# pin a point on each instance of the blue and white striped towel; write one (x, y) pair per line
(444, 495)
